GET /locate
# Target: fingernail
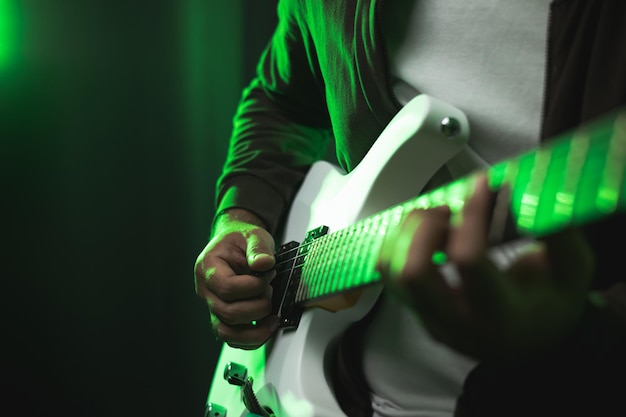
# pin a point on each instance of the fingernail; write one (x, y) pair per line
(256, 256)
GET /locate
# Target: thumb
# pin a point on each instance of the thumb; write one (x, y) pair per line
(260, 251)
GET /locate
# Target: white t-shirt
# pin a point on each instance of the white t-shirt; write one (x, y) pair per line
(487, 57)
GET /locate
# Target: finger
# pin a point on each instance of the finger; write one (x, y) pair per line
(260, 250)
(468, 238)
(404, 252)
(481, 281)
(386, 250)
(412, 273)
(425, 233)
(438, 303)
(221, 283)
(400, 247)
(241, 311)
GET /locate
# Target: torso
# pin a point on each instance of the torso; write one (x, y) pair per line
(487, 58)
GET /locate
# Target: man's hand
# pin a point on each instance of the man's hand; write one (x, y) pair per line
(493, 314)
(233, 274)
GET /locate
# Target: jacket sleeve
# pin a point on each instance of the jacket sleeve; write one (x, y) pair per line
(281, 126)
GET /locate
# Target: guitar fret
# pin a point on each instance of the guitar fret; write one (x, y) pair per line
(322, 263)
(321, 271)
(328, 265)
(351, 256)
(585, 197)
(584, 203)
(553, 166)
(534, 180)
(526, 201)
(339, 261)
(341, 267)
(564, 198)
(312, 273)
(612, 180)
(303, 279)
(360, 251)
(388, 219)
(367, 249)
(368, 268)
(347, 259)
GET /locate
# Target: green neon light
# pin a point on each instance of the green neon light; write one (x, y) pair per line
(8, 32)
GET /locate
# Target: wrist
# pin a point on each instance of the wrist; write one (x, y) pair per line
(236, 214)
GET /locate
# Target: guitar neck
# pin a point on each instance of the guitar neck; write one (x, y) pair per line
(573, 180)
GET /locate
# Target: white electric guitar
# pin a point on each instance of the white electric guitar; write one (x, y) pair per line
(326, 277)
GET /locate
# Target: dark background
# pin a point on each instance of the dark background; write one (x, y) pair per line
(114, 119)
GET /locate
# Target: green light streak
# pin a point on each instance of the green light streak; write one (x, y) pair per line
(8, 32)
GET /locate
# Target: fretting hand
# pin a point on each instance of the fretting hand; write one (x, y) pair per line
(494, 313)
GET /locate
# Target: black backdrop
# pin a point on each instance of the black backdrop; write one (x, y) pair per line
(113, 125)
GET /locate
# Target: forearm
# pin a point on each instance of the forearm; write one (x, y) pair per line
(268, 158)
(235, 214)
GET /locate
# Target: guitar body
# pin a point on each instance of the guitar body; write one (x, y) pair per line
(290, 372)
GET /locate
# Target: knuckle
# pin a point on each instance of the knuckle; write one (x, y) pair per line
(230, 314)
(226, 289)
(265, 307)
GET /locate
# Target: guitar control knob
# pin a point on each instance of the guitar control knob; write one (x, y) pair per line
(214, 410)
(235, 374)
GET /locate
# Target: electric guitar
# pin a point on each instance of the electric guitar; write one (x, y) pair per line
(326, 277)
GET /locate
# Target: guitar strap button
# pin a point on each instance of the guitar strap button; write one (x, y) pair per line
(450, 127)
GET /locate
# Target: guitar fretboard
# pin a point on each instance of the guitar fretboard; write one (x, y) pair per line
(571, 181)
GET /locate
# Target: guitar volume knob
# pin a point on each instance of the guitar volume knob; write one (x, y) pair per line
(235, 373)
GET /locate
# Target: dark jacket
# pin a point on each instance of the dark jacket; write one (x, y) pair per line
(324, 78)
